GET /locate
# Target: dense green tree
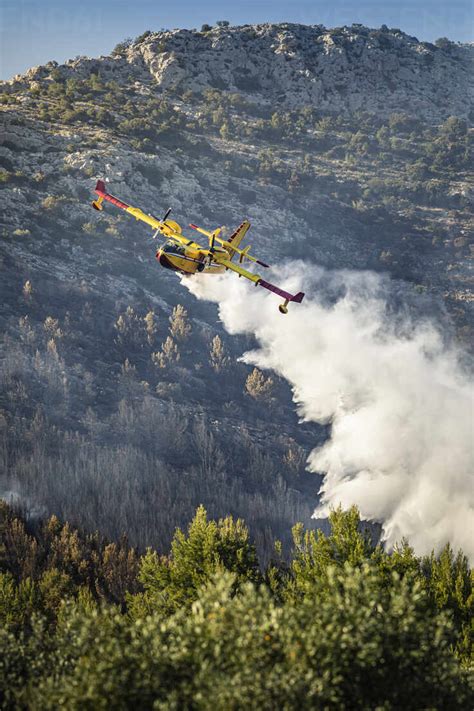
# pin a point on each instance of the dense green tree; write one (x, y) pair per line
(209, 547)
(449, 583)
(315, 552)
(18, 601)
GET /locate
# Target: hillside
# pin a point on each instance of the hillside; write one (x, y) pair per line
(348, 148)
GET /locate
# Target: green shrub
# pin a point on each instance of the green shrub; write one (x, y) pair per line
(121, 47)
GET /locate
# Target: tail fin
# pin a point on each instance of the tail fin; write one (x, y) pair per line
(100, 187)
(298, 298)
(236, 237)
(101, 191)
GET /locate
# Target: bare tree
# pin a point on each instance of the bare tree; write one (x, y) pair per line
(210, 457)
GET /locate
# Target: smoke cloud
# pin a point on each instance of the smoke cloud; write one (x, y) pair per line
(397, 397)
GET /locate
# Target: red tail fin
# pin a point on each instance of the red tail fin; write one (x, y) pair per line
(101, 191)
(298, 297)
(100, 188)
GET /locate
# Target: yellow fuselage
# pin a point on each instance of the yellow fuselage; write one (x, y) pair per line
(188, 259)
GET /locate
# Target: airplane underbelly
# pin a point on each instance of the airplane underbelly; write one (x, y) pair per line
(186, 264)
(177, 263)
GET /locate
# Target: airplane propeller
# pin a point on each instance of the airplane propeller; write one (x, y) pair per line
(165, 217)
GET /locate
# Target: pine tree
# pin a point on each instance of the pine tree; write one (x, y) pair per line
(257, 386)
(208, 547)
(169, 354)
(180, 328)
(217, 355)
(27, 290)
(150, 326)
(129, 329)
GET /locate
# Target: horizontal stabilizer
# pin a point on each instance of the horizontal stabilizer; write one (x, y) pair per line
(298, 298)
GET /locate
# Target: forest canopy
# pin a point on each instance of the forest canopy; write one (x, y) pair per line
(90, 624)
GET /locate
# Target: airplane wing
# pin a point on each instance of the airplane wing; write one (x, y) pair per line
(258, 281)
(232, 244)
(236, 238)
(169, 228)
(240, 270)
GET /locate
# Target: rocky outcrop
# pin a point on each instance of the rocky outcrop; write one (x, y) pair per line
(345, 69)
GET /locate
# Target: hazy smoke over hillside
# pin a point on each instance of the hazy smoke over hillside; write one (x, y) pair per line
(397, 398)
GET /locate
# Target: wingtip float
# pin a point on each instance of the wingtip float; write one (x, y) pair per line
(185, 256)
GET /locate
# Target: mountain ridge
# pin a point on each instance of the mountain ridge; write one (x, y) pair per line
(344, 69)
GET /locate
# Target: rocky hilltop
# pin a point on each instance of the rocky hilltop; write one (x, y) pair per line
(345, 69)
(349, 148)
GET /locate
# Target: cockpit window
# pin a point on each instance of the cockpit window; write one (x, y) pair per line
(174, 248)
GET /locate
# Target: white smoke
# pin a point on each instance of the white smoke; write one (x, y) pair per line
(397, 398)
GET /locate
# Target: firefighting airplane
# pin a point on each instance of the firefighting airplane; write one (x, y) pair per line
(185, 256)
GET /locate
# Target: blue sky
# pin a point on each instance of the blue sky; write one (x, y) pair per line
(34, 31)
